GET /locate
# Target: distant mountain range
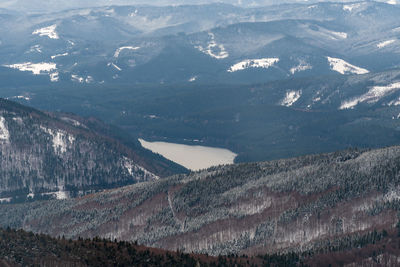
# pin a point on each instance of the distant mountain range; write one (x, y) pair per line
(301, 204)
(48, 155)
(56, 5)
(202, 43)
(285, 82)
(266, 82)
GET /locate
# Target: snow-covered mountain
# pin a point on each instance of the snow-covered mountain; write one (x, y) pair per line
(52, 5)
(175, 43)
(62, 155)
(311, 57)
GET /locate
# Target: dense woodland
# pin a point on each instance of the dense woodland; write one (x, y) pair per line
(247, 119)
(27, 249)
(292, 205)
(45, 153)
(20, 248)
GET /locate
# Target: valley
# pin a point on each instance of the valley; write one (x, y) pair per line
(266, 83)
(291, 205)
(199, 133)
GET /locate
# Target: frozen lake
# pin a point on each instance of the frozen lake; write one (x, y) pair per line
(191, 157)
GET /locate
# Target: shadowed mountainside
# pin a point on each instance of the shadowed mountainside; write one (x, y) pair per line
(62, 155)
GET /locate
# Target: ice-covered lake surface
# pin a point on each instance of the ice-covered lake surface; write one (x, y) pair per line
(191, 157)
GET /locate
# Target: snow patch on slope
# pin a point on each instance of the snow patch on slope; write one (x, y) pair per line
(395, 102)
(118, 51)
(213, 49)
(61, 193)
(5, 200)
(89, 79)
(49, 31)
(350, 7)
(385, 43)
(133, 168)
(254, 63)
(328, 34)
(24, 97)
(303, 66)
(35, 68)
(392, 195)
(79, 79)
(59, 55)
(35, 48)
(60, 139)
(114, 66)
(337, 35)
(4, 134)
(344, 67)
(54, 77)
(291, 98)
(76, 78)
(372, 96)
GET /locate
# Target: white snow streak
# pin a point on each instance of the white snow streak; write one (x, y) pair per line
(61, 194)
(351, 7)
(77, 78)
(344, 67)
(253, 63)
(59, 55)
(132, 168)
(35, 48)
(5, 200)
(301, 67)
(290, 98)
(4, 134)
(54, 77)
(49, 31)
(118, 51)
(338, 35)
(60, 139)
(213, 49)
(385, 43)
(89, 79)
(372, 96)
(115, 66)
(395, 102)
(35, 68)
(26, 98)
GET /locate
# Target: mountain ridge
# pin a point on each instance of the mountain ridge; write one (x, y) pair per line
(45, 154)
(287, 205)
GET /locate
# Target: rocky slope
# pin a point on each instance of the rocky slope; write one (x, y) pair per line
(61, 155)
(295, 204)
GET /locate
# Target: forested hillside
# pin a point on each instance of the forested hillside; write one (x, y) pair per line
(46, 155)
(20, 248)
(297, 204)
